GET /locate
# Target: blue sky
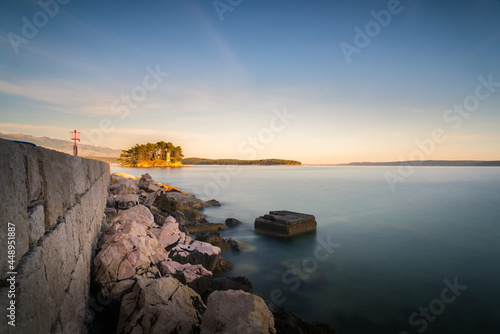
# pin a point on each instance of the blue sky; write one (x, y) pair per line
(228, 79)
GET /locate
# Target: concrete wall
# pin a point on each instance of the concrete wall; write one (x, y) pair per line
(56, 202)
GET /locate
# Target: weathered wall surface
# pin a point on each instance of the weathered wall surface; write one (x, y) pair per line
(56, 202)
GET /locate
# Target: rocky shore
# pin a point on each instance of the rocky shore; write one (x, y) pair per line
(154, 278)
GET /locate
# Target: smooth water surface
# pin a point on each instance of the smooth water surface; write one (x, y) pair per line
(378, 256)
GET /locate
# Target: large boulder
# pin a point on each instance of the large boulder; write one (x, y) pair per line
(285, 223)
(138, 214)
(287, 322)
(121, 224)
(161, 305)
(196, 253)
(125, 257)
(129, 251)
(235, 311)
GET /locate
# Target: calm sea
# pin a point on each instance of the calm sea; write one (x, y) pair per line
(422, 258)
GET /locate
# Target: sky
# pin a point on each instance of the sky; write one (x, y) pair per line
(322, 82)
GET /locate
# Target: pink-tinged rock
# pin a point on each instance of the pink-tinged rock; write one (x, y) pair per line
(119, 227)
(138, 214)
(161, 305)
(236, 311)
(126, 257)
(196, 253)
(169, 234)
(195, 276)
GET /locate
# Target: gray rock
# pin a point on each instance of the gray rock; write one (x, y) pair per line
(110, 202)
(145, 181)
(124, 187)
(237, 312)
(158, 215)
(231, 222)
(173, 201)
(193, 215)
(148, 184)
(285, 223)
(182, 202)
(179, 217)
(235, 244)
(196, 253)
(195, 276)
(126, 201)
(161, 305)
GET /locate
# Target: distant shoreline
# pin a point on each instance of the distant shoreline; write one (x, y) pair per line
(428, 163)
(237, 162)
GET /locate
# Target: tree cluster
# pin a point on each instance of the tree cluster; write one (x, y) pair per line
(150, 152)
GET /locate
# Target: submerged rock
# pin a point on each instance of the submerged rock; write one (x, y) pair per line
(216, 239)
(287, 322)
(231, 222)
(222, 265)
(232, 283)
(205, 226)
(211, 203)
(285, 223)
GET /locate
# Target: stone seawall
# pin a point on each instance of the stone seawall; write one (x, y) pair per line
(56, 202)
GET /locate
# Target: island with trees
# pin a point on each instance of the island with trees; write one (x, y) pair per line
(161, 154)
(264, 162)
